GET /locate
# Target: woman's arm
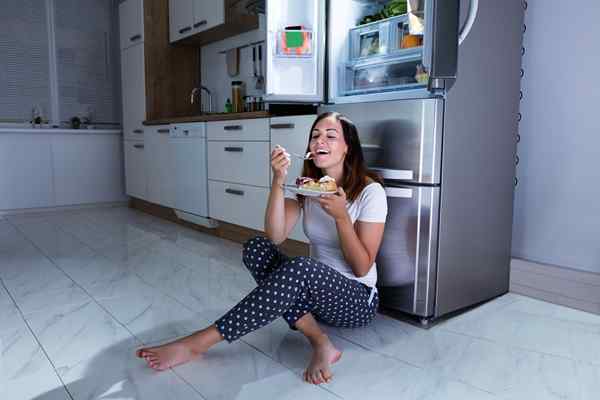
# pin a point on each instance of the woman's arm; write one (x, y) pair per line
(281, 214)
(360, 243)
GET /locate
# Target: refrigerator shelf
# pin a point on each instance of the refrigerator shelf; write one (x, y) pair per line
(399, 56)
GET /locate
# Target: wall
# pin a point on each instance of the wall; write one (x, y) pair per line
(557, 207)
(214, 68)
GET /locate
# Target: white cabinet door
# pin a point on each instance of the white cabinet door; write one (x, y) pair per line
(238, 204)
(87, 169)
(243, 129)
(26, 166)
(241, 162)
(131, 22)
(161, 185)
(181, 19)
(208, 14)
(292, 133)
(135, 169)
(188, 169)
(134, 91)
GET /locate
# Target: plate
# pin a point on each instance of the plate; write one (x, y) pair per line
(306, 192)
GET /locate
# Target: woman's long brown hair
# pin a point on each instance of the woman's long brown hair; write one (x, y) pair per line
(356, 174)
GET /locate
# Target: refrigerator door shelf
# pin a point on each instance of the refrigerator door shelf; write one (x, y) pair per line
(294, 43)
(407, 259)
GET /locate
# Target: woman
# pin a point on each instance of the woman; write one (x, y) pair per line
(336, 285)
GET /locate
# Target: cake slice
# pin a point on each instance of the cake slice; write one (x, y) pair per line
(325, 184)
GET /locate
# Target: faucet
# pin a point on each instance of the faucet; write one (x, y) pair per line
(197, 91)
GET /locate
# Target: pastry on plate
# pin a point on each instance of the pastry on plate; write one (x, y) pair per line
(325, 184)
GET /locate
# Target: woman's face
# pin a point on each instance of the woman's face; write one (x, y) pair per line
(327, 143)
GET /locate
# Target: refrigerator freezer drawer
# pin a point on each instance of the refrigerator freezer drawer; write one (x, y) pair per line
(407, 259)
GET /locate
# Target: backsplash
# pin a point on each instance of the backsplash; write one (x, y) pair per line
(214, 67)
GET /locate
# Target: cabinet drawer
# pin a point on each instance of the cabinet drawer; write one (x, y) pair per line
(240, 162)
(245, 129)
(292, 133)
(238, 204)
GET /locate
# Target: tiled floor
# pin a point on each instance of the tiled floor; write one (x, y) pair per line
(81, 290)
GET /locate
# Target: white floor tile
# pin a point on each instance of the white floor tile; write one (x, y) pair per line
(71, 334)
(116, 373)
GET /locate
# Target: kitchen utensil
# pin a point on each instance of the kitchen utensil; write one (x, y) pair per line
(254, 62)
(260, 79)
(232, 58)
(307, 156)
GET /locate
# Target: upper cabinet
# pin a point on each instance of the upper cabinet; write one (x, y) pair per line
(181, 18)
(208, 14)
(198, 22)
(131, 15)
(188, 17)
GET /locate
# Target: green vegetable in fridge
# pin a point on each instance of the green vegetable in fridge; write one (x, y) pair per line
(391, 9)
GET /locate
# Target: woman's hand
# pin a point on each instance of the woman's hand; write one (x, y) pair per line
(335, 205)
(280, 162)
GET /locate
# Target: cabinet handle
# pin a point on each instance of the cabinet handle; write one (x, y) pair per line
(235, 191)
(163, 131)
(186, 29)
(234, 149)
(138, 131)
(135, 37)
(138, 146)
(233, 127)
(283, 126)
(200, 23)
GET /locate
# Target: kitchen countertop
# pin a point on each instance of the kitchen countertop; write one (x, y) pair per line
(209, 117)
(48, 131)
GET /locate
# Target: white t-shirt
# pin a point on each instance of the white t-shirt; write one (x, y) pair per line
(320, 228)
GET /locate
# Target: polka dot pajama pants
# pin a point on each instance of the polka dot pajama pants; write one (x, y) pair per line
(291, 288)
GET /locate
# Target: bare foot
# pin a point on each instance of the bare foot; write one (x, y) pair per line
(324, 354)
(179, 351)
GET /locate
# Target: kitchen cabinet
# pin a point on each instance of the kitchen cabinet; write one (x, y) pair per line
(240, 162)
(208, 14)
(292, 133)
(133, 91)
(199, 22)
(161, 185)
(188, 17)
(136, 184)
(188, 167)
(157, 78)
(238, 204)
(181, 19)
(87, 168)
(131, 15)
(26, 171)
(244, 129)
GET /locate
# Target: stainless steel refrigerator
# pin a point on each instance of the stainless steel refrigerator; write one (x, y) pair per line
(435, 94)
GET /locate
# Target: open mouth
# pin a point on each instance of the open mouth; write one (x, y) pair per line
(322, 152)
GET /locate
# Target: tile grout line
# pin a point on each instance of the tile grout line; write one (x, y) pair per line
(37, 341)
(91, 297)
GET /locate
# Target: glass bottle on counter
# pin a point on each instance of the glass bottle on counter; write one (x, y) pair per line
(237, 96)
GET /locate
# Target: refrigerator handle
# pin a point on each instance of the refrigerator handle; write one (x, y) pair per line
(402, 193)
(444, 20)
